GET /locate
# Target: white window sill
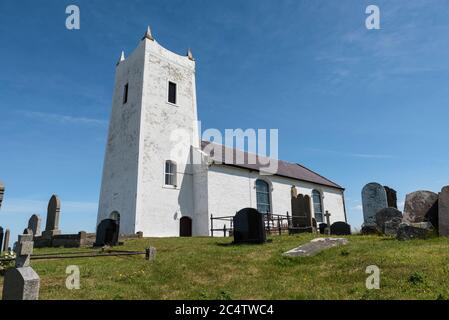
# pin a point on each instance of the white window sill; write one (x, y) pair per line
(173, 105)
(168, 186)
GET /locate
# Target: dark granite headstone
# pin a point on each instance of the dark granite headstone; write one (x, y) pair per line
(107, 233)
(301, 214)
(421, 206)
(249, 226)
(392, 199)
(385, 215)
(322, 227)
(340, 228)
(443, 212)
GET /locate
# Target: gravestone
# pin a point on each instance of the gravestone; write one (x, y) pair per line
(421, 206)
(249, 226)
(410, 231)
(340, 228)
(322, 227)
(35, 225)
(2, 234)
(150, 253)
(443, 212)
(301, 214)
(391, 227)
(385, 215)
(2, 192)
(392, 198)
(374, 199)
(22, 282)
(53, 211)
(107, 233)
(6, 241)
(315, 246)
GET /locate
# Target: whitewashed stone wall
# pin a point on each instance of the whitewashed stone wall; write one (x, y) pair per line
(231, 189)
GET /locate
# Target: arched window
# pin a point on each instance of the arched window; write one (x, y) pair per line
(317, 206)
(263, 196)
(170, 173)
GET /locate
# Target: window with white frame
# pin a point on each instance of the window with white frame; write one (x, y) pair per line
(263, 196)
(170, 173)
(317, 206)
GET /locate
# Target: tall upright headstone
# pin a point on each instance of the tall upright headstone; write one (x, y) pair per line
(22, 282)
(249, 226)
(443, 212)
(35, 224)
(374, 199)
(392, 197)
(2, 234)
(6, 241)
(301, 213)
(53, 210)
(421, 206)
(2, 192)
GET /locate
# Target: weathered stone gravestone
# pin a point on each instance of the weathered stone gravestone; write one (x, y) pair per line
(410, 231)
(392, 198)
(443, 212)
(386, 215)
(315, 246)
(53, 211)
(6, 241)
(22, 282)
(421, 206)
(2, 192)
(301, 214)
(35, 225)
(391, 227)
(340, 228)
(150, 253)
(249, 226)
(374, 199)
(107, 233)
(2, 234)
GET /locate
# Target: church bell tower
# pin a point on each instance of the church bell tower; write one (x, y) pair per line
(147, 179)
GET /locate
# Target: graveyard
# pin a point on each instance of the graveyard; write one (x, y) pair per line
(213, 268)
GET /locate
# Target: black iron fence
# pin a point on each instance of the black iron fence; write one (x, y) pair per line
(274, 224)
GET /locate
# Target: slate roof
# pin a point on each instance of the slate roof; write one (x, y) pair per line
(285, 169)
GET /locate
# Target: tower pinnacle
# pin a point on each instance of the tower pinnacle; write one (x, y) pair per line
(190, 55)
(122, 58)
(148, 34)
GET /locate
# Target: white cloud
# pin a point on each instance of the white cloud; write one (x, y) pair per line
(63, 118)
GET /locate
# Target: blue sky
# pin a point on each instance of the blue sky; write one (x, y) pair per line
(356, 105)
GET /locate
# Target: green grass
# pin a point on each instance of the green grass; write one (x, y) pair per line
(211, 268)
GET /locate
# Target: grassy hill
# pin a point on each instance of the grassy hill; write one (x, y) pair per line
(212, 268)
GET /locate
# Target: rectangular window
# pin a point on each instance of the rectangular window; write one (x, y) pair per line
(125, 94)
(170, 173)
(172, 92)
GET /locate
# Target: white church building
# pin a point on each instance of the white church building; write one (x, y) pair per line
(157, 175)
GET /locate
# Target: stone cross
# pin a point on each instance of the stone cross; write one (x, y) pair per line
(35, 225)
(2, 192)
(22, 282)
(2, 234)
(52, 226)
(328, 221)
(6, 241)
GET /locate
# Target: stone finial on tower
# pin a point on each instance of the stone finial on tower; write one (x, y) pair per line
(190, 55)
(148, 35)
(122, 58)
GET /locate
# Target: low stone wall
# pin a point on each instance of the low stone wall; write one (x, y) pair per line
(64, 240)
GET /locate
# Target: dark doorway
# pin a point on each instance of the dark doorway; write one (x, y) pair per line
(185, 227)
